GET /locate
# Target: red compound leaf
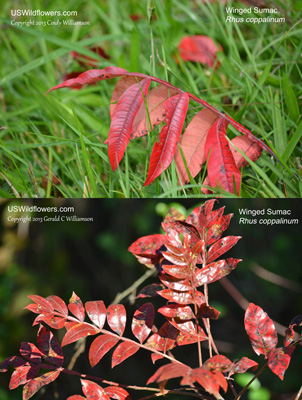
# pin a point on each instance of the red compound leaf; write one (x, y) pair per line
(76, 307)
(123, 351)
(261, 330)
(96, 311)
(142, 321)
(116, 318)
(99, 347)
(76, 331)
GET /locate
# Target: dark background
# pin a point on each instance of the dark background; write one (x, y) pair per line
(92, 260)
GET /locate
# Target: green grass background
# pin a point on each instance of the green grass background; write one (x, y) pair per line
(258, 83)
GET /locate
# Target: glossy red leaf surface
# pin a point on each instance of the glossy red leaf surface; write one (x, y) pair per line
(222, 169)
(78, 331)
(93, 391)
(123, 351)
(163, 152)
(35, 384)
(199, 217)
(142, 321)
(58, 304)
(208, 380)
(148, 247)
(177, 271)
(22, 375)
(49, 347)
(41, 305)
(99, 347)
(189, 328)
(217, 227)
(91, 76)
(116, 318)
(198, 48)
(167, 372)
(215, 271)
(76, 307)
(192, 144)
(96, 311)
(53, 321)
(117, 393)
(154, 102)
(243, 365)
(279, 360)
(181, 285)
(76, 397)
(176, 311)
(218, 362)
(260, 329)
(182, 297)
(251, 149)
(123, 119)
(289, 336)
(221, 247)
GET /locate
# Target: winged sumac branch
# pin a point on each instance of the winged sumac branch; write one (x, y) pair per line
(186, 259)
(135, 110)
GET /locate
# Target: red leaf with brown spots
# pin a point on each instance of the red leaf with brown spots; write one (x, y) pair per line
(261, 330)
(76, 307)
(221, 247)
(123, 351)
(93, 391)
(96, 311)
(279, 360)
(176, 311)
(243, 365)
(116, 318)
(142, 321)
(49, 347)
(76, 331)
(214, 271)
(117, 393)
(35, 384)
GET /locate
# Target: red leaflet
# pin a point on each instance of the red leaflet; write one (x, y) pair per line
(210, 381)
(150, 290)
(49, 347)
(251, 149)
(76, 397)
(217, 226)
(148, 246)
(154, 100)
(91, 76)
(93, 391)
(22, 375)
(214, 271)
(118, 393)
(178, 271)
(99, 347)
(123, 351)
(42, 305)
(206, 311)
(58, 304)
(192, 144)
(123, 119)
(218, 363)
(77, 331)
(199, 217)
(35, 384)
(243, 365)
(279, 360)
(163, 152)
(76, 307)
(182, 297)
(221, 247)
(176, 311)
(116, 318)
(142, 321)
(169, 371)
(96, 311)
(189, 328)
(260, 329)
(198, 48)
(31, 352)
(15, 361)
(222, 168)
(51, 320)
(181, 285)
